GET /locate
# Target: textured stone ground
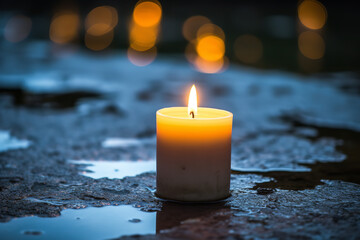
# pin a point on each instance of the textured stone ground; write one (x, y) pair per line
(295, 158)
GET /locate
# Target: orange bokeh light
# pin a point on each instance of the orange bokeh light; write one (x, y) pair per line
(101, 20)
(311, 45)
(192, 25)
(206, 47)
(143, 32)
(141, 38)
(147, 13)
(190, 52)
(210, 48)
(64, 27)
(97, 43)
(312, 14)
(210, 29)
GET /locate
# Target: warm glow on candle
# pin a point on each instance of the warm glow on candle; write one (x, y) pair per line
(193, 152)
(192, 105)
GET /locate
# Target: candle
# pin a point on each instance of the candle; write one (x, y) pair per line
(193, 152)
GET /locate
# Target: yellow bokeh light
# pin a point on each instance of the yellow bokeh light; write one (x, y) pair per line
(97, 43)
(101, 20)
(312, 14)
(17, 28)
(141, 58)
(248, 48)
(64, 28)
(210, 29)
(147, 13)
(192, 25)
(311, 45)
(210, 48)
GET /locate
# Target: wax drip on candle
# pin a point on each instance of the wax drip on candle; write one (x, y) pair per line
(192, 104)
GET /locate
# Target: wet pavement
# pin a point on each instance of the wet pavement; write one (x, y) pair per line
(72, 129)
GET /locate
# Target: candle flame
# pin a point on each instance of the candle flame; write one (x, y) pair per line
(192, 105)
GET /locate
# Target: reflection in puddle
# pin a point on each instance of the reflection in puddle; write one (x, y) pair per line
(89, 223)
(8, 143)
(125, 142)
(173, 214)
(115, 169)
(120, 142)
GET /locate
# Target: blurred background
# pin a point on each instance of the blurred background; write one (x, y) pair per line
(306, 36)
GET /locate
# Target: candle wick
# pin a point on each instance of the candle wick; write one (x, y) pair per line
(192, 114)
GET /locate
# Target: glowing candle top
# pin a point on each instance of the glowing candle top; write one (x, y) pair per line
(192, 105)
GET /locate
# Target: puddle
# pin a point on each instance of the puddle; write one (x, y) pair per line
(89, 223)
(7, 142)
(55, 100)
(347, 170)
(125, 142)
(114, 169)
(107, 222)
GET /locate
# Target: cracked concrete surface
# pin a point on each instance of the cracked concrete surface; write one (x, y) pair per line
(295, 157)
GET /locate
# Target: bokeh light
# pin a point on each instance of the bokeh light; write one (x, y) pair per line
(142, 58)
(190, 52)
(101, 20)
(210, 66)
(98, 43)
(210, 48)
(64, 27)
(17, 28)
(206, 47)
(142, 38)
(147, 13)
(192, 25)
(143, 32)
(248, 49)
(210, 29)
(311, 45)
(312, 14)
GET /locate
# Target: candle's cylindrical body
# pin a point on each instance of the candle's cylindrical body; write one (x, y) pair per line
(193, 154)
